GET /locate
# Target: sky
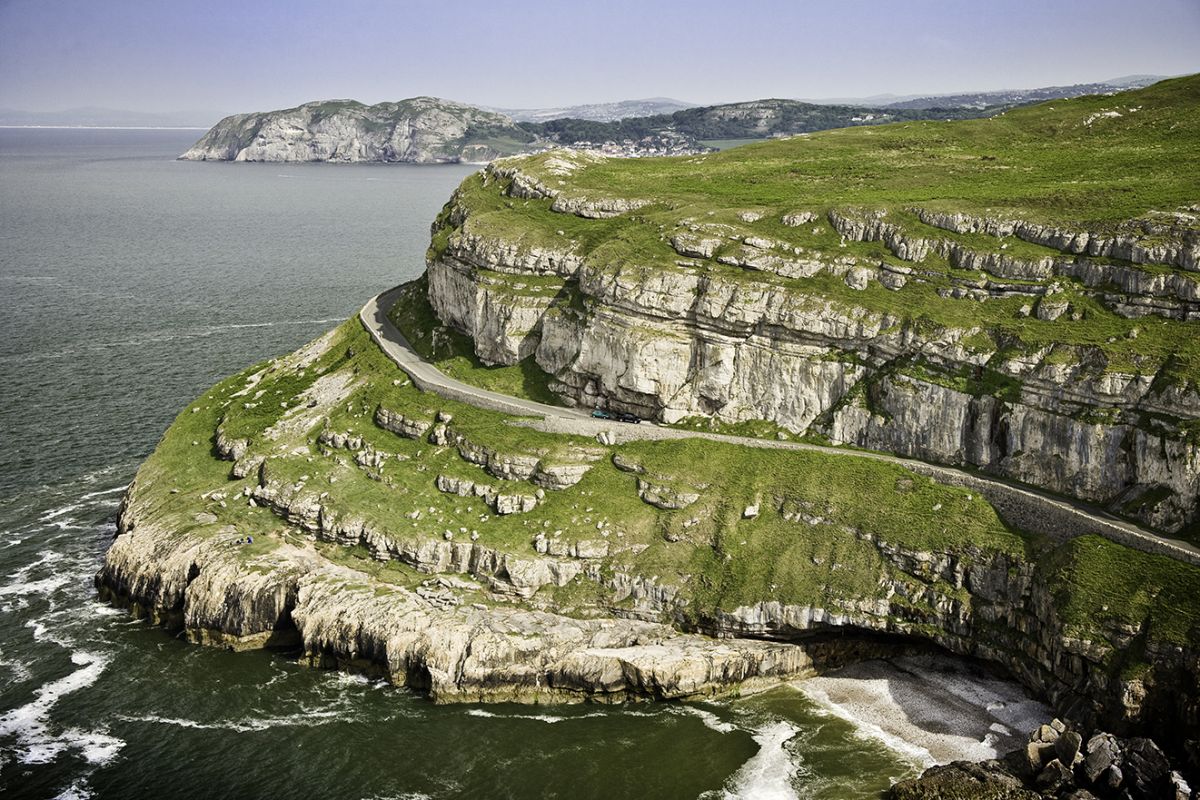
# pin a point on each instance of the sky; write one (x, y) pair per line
(226, 57)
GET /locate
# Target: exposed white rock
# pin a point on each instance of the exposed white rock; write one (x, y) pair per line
(420, 130)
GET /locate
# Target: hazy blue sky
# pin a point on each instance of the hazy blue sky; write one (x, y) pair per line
(164, 55)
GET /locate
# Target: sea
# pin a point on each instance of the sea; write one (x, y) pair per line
(130, 282)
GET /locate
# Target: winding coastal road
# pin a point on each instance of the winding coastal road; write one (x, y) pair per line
(1020, 505)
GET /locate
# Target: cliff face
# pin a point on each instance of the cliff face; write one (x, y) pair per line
(456, 551)
(420, 130)
(677, 343)
(424, 638)
(983, 339)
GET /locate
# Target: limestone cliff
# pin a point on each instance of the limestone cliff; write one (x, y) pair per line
(1053, 352)
(461, 553)
(420, 130)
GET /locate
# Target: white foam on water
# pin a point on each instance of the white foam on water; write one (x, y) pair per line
(305, 719)
(30, 723)
(236, 325)
(549, 719)
(710, 720)
(68, 524)
(354, 679)
(870, 731)
(20, 671)
(103, 492)
(928, 709)
(55, 513)
(43, 587)
(44, 558)
(771, 772)
(76, 791)
(105, 610)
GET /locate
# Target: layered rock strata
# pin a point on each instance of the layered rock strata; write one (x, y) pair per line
(689, 340)
(453, 652)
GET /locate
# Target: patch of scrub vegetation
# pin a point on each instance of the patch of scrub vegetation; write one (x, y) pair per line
(919, 513)
(454, 353)
(1101, 585)
(980, 381)
(752, 428)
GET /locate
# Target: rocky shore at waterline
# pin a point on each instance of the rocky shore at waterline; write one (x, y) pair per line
(1058, 762)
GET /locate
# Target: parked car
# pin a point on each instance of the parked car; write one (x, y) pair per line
(619, 416)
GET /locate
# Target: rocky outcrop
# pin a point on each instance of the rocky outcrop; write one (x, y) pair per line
(1181, 248)
(501, 502)
(420, 130)
(1153, 473)
(399, 424)
(1058, 762)
(1127, 288)
(454, 652)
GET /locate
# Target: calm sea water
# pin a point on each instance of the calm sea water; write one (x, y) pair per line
(130, 282)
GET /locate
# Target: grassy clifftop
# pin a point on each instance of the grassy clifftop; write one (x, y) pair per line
(1096, 160)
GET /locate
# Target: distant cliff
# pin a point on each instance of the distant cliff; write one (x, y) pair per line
(421, 130)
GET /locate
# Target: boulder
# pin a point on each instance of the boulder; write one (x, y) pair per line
(1067, 747)
(1147, 771)
(1045, 734)
(858, 278)
(1037, 754)
(1179, 789)
(987, 780)
(1054, 777)
(1103, 751)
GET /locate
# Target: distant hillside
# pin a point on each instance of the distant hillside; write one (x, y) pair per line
(984, 100)
(424, 130)
(599, 112)
(755, 119)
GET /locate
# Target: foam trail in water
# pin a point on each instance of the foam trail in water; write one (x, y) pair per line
(305, 719)
(159, 338)
(710, 720)
(58, 512)
(547, 718)
(30, 723)
(43, 587)
(868, 730)
(770, 773)
(103, 492)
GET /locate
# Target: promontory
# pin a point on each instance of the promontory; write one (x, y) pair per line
(928, 383)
